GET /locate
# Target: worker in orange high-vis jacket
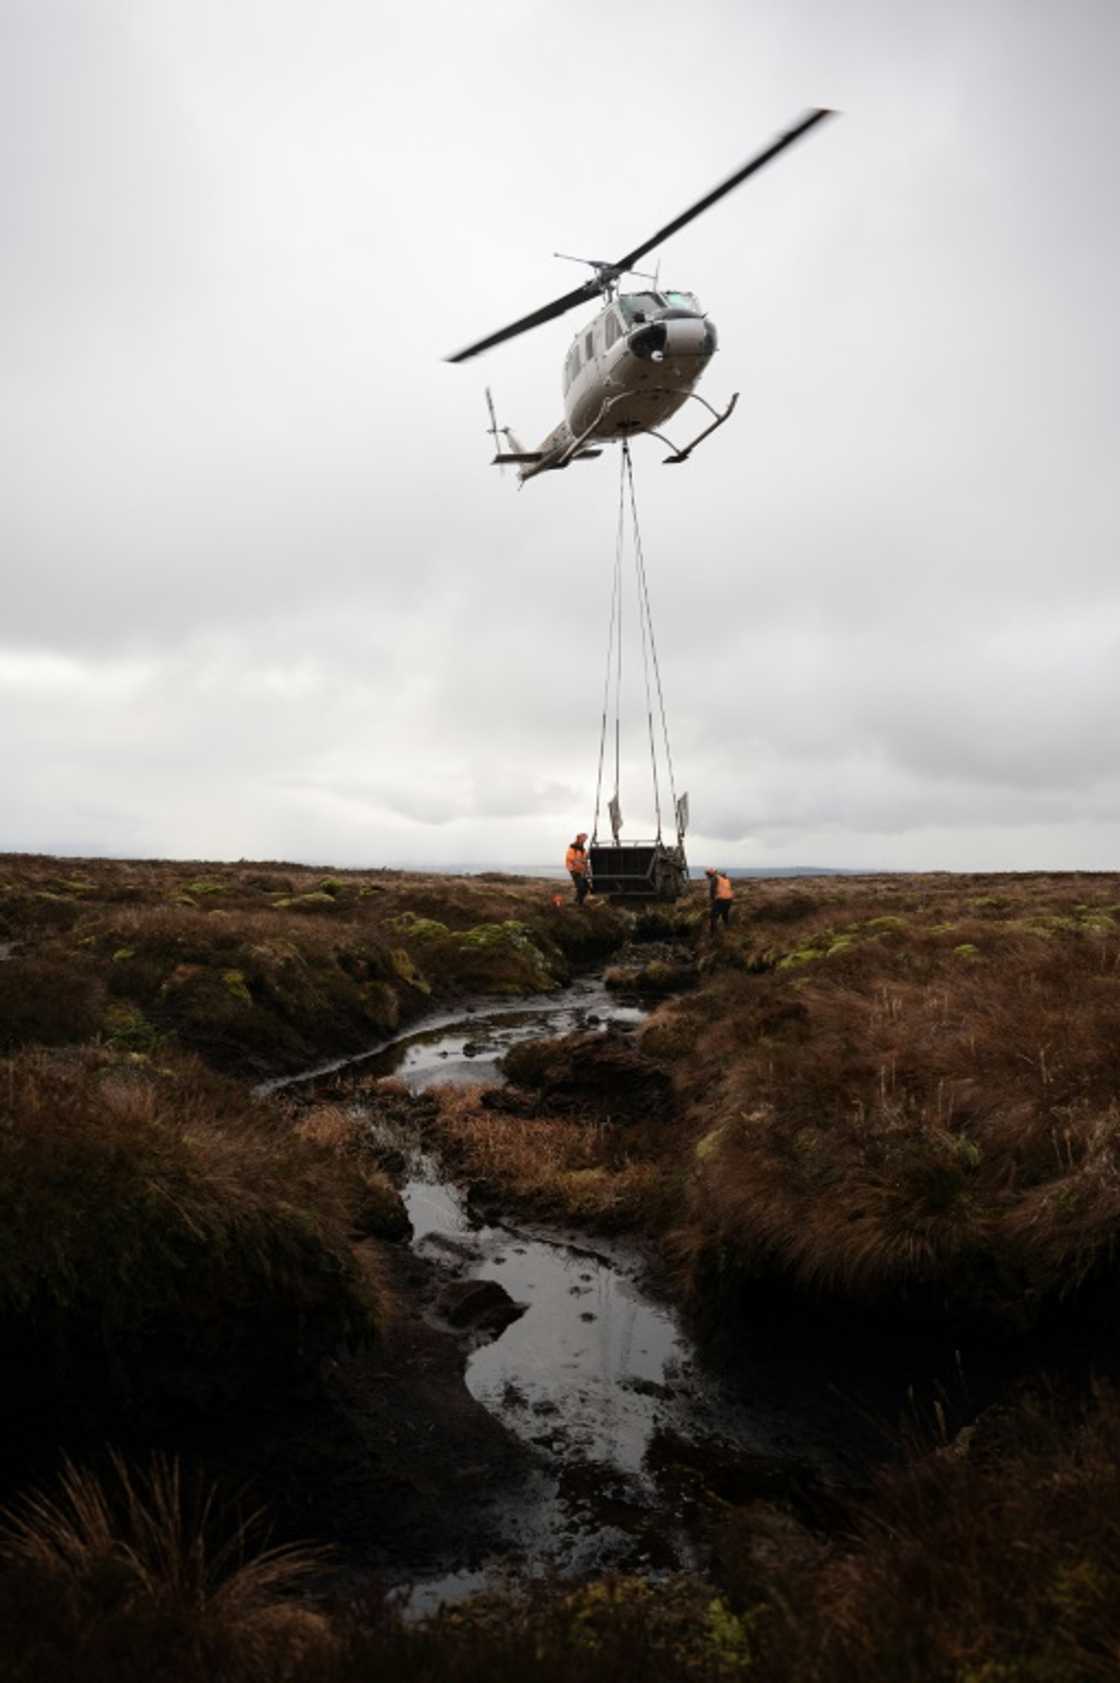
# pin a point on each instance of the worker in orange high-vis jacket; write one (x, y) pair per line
(720, 896)
(575, 863)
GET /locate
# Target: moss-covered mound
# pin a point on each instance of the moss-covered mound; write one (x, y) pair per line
(161, 1238)
(494, 958)
(267, 970)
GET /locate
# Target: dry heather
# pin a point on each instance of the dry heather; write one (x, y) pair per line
(264, 968)
(162, 1238)
(918, 1108)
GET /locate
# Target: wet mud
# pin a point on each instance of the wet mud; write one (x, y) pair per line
(626, 1443)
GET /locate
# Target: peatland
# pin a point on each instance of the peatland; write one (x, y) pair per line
(875, 1111)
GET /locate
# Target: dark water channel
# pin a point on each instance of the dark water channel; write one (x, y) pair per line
(634, 1440)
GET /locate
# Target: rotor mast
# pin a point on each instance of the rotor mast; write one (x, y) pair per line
(607, 275)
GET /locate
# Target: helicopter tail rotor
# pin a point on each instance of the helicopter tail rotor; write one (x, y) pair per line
(514, 450)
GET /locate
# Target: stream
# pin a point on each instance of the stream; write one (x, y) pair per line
(634, 1442)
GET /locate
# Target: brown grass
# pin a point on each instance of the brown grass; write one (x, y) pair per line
(924, 1098)
(146, 1574)
(569, 1170)
(995, 1559)
(162, 1235)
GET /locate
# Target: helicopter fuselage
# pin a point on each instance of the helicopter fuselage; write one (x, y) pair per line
(627, 372)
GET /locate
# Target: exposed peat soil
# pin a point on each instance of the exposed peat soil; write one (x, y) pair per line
(631, 1441)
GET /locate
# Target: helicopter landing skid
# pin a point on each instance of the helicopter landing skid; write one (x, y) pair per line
(683, 455)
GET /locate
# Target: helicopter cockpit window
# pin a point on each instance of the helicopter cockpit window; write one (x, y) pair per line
(683, 301)
(639, 306)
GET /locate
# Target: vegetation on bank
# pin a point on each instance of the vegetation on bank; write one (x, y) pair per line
(995, 1559)
(167, 1241)
(904, 1096)
(895, 1098)
(266, 969)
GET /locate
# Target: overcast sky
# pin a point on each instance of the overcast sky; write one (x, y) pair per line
(263, 597)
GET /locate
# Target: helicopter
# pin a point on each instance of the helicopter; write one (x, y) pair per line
(633, 367)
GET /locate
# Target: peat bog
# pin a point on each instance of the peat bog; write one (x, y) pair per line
(850, 1172)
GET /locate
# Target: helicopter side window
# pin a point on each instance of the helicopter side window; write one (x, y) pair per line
(587, 348)
(611, 331)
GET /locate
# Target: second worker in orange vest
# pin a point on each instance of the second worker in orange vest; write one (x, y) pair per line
(720, 896)
(575, 863)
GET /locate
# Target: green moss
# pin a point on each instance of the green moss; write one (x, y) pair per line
(331, 885)
(967, 950)
(127, 1028)
(803, 955)
(405, 970)
(886, 923)
(204, 885)
(419, 928)
(235, 984)
(123, 953)
(708, 1144)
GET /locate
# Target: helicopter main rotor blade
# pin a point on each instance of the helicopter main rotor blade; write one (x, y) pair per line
(810, 119)
(607, 274)
(548, 312)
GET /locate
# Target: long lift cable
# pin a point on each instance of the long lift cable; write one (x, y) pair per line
(619, 548)
(643, 585)
(614, 631)
(645, 625)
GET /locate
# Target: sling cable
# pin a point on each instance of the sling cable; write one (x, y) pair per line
(638, 870)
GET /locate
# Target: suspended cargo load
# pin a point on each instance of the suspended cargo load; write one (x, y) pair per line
(638, 870)
(642, 870)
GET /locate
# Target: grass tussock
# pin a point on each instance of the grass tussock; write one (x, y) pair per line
(565, 1169)
(917, 1106)
(144, 1574)
(991, 1562)
(161, 1236)
(995, 1559)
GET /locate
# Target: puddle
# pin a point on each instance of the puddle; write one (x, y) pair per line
(596, 1376)
(463, 1046)
(601, 1381)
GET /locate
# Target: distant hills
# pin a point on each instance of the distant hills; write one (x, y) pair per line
(695, 871)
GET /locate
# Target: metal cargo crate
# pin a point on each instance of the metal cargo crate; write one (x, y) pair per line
(638, 870)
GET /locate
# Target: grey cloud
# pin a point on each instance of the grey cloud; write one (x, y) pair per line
(262, 593)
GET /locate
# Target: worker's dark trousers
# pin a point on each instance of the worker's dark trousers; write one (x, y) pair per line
(581, 886)
(720, 912)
